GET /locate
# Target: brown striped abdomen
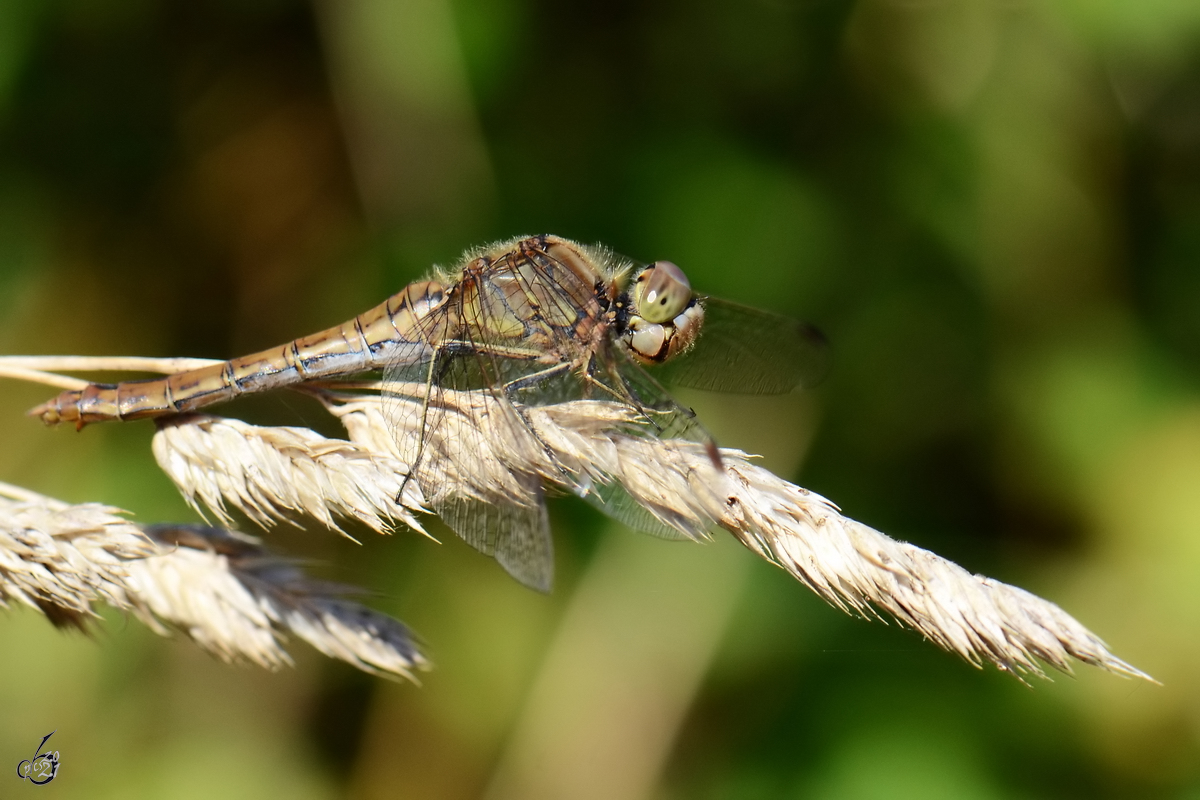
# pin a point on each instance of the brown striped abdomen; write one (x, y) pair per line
(386, 334)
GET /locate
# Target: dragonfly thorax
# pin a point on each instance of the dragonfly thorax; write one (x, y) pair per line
(664, 316)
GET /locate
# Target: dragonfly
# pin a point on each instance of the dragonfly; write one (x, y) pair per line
(525, 323)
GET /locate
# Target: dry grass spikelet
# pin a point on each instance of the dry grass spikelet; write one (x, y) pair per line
(850, 565)
(60, 558)
(590, 448)
(855, 567)
(237, 600)
(221, 588)
(274, 473)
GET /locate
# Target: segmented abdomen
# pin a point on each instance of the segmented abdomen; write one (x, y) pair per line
(386, 334)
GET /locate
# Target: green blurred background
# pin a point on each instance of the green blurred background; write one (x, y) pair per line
(992, 208)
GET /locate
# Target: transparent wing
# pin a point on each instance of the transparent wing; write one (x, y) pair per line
(616, 502)
(743, 350)
(469, 451)
(505, 339)
(517, 536)
(662, 417)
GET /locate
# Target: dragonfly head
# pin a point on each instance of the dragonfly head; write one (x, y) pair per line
(665, 317)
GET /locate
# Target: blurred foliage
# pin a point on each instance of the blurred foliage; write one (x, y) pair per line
(992, 208)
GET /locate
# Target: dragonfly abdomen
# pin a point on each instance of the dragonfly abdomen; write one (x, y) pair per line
(386, 334)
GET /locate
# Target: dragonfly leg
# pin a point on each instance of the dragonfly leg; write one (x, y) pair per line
(650, 413)
(517, 384)
(412, 468)
(510, 391)
(592, 380)
(630, 396)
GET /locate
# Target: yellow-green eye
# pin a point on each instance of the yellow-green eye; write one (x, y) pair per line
(661, 292)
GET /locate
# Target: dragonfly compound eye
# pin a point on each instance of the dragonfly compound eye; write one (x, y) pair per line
(661, 292)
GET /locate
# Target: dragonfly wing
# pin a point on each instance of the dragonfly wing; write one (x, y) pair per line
(660, 416)
(743, 350)
(518, 537)
(472, 455)
(505, 338)
(660, 521)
